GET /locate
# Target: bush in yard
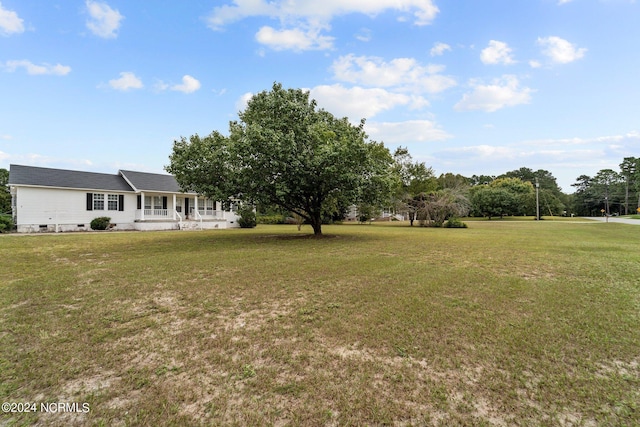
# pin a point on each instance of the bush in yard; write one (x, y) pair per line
(100, 223)
(6, 223)
(271, 219)
(247, 216)
(454, 222)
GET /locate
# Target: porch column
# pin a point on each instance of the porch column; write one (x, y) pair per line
(174, 207)
(142, 206)
(195, 206)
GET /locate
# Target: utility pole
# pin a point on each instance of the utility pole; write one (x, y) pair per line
(629, 169)
(537, 200)
(606, 200)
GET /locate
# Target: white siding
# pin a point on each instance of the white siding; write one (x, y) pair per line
(57, 209)
(67, 209)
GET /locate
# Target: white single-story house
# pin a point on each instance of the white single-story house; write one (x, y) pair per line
(45, 199)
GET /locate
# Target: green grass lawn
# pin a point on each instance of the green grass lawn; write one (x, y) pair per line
(504, 323)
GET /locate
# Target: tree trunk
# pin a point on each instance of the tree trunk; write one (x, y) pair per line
(316, 223)
(317, 229)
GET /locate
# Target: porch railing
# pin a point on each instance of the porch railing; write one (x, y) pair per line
(153, 214)
(210, 213)
(156, 212)
(198, 214)
(207, 213)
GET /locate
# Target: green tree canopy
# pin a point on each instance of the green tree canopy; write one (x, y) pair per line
(545, 178)
(283, 151)
(5, 195)
(493, 201)
(451, 181)
(630, 171)
(523, 193)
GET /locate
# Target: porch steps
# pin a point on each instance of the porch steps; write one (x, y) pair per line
(190, 225)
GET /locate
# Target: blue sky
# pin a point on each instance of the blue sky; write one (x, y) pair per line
(470, 87)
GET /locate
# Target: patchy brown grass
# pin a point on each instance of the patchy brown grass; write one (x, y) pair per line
(499, 324)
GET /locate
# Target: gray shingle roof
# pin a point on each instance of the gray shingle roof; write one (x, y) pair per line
(47, 177)
(144, 181)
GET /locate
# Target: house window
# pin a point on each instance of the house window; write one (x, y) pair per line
(179, 205)
(112, 202)
(98, 202)
(157, 202)
(208, 203)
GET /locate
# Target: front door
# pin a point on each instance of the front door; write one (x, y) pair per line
(186, 207)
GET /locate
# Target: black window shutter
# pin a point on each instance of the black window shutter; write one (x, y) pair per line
(139, 201)
(121, 202)
(164, 202)
(89, 201)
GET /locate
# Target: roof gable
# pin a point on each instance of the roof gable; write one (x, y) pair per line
(144, 181)
(48, 177)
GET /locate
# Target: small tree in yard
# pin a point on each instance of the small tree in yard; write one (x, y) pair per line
(285, 152)
(413, 180)
(435, 208)
(247, 217)
(366, 212)
(5, 195)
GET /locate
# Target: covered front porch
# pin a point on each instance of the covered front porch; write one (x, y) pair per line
(177, 207)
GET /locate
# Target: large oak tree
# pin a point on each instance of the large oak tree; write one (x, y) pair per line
(284, 151)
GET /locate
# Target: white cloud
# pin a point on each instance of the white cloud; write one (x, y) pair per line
(404, 74)
(104, 21)
(560, 51)
(406, 132)
(364, 35)
(483, 150)
(497, 53)
(354, 103)
(127, 81)
(424, 11)
(10, 23)
(503, 92)
(160, 86)
(357, 102)
(36, 159)
(304, 22)
(294, 39)
(241, 103)
(189, 85)
(33, 69)
(439, 49)
(629, 139)
(566, 158)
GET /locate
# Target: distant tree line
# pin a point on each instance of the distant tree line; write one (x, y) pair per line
(609, 191)
(431, 200)
(292, 160)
